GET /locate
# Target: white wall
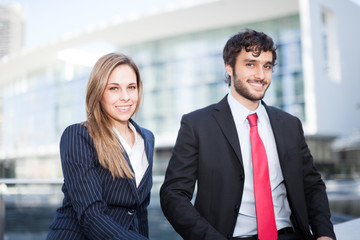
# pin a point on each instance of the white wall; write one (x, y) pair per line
(332, 100)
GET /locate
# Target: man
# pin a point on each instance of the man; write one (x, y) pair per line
(217, 147)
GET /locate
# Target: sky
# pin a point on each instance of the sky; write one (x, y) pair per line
(47, 20)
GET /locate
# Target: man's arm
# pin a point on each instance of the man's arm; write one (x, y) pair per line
(316, 198)
(178, 188)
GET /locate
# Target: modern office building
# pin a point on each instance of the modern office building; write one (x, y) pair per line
(12, 29)
(179, 52)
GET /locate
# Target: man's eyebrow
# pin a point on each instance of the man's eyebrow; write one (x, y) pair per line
(250, 60)
(255, 60)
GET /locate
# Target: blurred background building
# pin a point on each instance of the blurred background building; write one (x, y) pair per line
(179, 52)
(12, 29)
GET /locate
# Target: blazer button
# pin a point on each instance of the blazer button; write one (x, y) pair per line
(131, 212)
(241, 176)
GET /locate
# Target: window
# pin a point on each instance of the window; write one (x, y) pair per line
(331, 56)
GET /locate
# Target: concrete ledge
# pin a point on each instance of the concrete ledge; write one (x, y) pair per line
(349, 230)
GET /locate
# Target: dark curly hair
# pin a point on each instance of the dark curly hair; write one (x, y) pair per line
(250, 40)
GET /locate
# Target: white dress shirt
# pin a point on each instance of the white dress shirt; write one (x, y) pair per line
(246, 221)
(137, 155)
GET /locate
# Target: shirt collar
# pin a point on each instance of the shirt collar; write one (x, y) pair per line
(122, 140)
(240, 112)
(135, 132)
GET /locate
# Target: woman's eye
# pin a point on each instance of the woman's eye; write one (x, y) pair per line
(113, 88)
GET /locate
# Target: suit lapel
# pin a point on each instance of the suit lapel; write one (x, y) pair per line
(131, 182)
(226, 123)
(146, 182)
(277, 128)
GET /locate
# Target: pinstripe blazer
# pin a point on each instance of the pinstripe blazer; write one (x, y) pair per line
(95, 206)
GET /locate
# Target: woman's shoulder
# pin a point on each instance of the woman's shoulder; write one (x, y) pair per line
(76, 145)
(142, 130)
(76, 127)
(76, 130)
(147, 131)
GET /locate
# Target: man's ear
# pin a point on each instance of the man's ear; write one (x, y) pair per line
(229, 70)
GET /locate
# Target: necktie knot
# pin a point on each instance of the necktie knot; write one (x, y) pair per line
(252, 119)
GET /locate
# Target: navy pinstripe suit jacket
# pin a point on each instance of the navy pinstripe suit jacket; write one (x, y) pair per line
(95, 206)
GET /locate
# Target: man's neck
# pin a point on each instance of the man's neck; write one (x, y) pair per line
(249, 104)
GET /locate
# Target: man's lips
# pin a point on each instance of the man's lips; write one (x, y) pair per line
(257, 83)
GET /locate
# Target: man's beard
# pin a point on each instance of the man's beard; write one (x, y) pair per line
(241, 89)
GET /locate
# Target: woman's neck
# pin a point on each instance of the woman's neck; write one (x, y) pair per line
(126, 133)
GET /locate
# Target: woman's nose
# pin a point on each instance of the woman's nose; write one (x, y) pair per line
(124, 95)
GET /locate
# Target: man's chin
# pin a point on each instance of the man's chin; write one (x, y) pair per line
(255, 98)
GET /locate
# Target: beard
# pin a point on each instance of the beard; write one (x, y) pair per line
(242, 90)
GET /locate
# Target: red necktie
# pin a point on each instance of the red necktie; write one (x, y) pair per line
(263, 199)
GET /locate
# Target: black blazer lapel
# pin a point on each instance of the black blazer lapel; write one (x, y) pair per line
(224, 118)
(277, 128)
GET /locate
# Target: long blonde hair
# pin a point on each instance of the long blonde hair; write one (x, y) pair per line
(108, 147)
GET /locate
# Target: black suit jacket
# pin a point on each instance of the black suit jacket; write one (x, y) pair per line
(207, 150)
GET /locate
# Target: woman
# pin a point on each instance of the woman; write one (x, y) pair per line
(107, 160)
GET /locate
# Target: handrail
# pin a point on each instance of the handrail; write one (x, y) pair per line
(31, 181)
(156, 179)
(344, 230)
(331, 185)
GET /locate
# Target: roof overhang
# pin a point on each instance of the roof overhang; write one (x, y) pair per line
(191, 17)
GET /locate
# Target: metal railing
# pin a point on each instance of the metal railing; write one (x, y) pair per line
(23, 199)
(27, 207)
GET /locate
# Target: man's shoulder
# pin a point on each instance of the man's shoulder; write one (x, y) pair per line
(207, 111)
(272, 110)
(201, 113)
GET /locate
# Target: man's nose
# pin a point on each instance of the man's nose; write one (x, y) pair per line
(259, 73)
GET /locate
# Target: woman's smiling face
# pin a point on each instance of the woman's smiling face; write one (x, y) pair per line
(121, 95)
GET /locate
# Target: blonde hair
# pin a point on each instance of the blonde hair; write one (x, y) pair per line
(108, 147)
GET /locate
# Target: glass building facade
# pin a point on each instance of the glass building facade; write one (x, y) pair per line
(180, 74)
(187, 72)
